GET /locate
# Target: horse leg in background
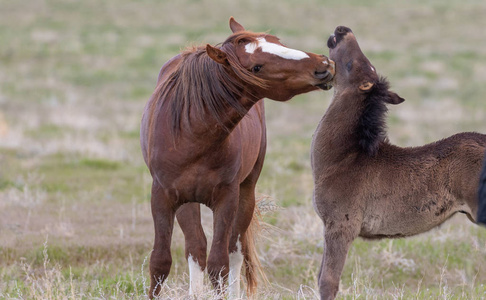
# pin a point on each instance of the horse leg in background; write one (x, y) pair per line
(162, 203)
(336, 246)
(224, 211)
(189, 218)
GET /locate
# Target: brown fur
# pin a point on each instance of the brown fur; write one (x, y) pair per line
(203, 139)
(367, 187)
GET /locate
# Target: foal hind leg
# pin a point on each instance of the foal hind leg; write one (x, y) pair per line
(189, 218)
(336, 246)
(161, 259)
(224, 211)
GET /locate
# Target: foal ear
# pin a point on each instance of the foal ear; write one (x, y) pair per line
(235, 26)
(216, 54)
(366, 86)
(393, 98)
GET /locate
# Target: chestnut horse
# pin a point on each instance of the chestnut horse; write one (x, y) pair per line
(203, 139)
(367, 187)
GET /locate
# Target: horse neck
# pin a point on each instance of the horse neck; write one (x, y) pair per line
(205, 98)
(207, 127)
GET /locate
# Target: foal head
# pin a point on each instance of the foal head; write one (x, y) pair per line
(268, 68)
(353, 69)
(356, 81)
(352, 66)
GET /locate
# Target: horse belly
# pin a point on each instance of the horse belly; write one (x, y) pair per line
(194, 186)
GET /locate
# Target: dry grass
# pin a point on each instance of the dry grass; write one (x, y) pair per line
(75, 219)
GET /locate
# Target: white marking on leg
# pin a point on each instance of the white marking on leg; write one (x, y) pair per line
(235, 263)
(275, 49)
(196, 277)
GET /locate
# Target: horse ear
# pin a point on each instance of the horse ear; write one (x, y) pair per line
(235, 26)
(216, 54)
(393, 98)
(366, 86)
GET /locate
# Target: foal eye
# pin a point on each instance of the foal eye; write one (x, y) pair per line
(349, 65)
(256, 69)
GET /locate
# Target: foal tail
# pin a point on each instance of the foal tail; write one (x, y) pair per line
(481, 217)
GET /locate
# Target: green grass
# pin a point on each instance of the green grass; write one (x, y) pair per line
(74, 78)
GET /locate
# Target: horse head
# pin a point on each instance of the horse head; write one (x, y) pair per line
(269, 68)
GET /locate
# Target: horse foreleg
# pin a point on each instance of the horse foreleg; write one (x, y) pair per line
(224, 211)
(161, 259)
(189, 218)
(336, 246)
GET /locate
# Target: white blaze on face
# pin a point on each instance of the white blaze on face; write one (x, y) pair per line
(196, 277)
(275, 49)
(235, 263)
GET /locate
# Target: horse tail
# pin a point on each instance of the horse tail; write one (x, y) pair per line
(253, 267)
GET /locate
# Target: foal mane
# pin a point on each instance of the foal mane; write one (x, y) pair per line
(202, 86)
(371, 129)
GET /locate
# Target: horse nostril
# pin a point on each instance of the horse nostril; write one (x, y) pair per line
(321, 75)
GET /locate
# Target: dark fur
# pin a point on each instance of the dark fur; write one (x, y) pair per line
(371, 128)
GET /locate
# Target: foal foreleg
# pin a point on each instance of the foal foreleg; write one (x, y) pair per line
(189, 218)
(336, 246)
(162, 203)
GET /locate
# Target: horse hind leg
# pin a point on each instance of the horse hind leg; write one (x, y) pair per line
(161, 259)
(235, 263)
(189, 218)
(224, 211)
(242, 248)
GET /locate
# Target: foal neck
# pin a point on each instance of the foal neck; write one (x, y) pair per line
(355, 122)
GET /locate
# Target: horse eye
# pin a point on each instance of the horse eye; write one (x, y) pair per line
(256, 69)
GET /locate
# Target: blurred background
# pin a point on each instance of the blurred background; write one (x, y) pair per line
(75, 218)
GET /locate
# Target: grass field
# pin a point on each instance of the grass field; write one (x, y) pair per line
(75, 220)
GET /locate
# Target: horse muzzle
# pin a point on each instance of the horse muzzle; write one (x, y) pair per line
(326, 76)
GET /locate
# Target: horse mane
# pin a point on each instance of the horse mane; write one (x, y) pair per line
(371, 130)
(202, 86)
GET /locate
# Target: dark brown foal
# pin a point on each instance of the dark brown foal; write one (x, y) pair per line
(367, 187)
